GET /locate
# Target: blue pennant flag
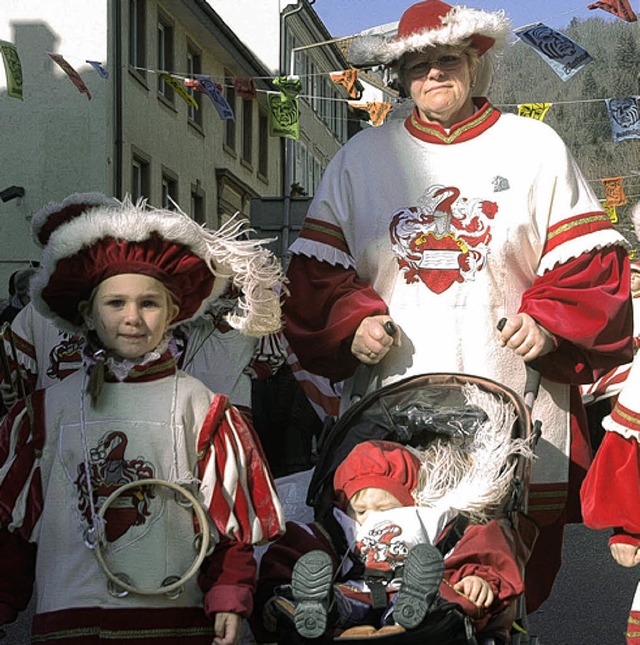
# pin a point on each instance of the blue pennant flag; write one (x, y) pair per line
(564, 56)
(217, 97)
(624, 117)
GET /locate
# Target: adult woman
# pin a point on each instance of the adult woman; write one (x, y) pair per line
(448, 222)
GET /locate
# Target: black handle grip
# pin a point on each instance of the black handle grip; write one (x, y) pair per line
(390, 327)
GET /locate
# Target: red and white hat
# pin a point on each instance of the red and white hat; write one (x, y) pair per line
(377, 464)
(45, 221)
(433, 23)
(196, 264)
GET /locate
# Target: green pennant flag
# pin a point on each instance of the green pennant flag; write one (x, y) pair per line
(13, 69)
(284, 111)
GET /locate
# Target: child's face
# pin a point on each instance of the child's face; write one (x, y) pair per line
(635, 282)
(370, 500)
(130, 314)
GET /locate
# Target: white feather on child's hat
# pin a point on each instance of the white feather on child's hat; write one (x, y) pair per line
(195, 263)
(429, 24)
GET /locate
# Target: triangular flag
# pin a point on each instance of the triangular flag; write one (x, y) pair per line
(283, 108)
(624, 117)
(534, 110)
(347, 78)
(614, 192)
(218, 99)
(611, 212)
(620, 8)
(179, 90)
(245, 87)
(71, 73)
(564, 56)
(12, 68)
(103, 73)
(378, 111)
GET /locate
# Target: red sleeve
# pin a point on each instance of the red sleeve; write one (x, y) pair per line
(325, 306)
(586, 304)
(483, 551)
(610, 493)
(228, 578)
(17, 573)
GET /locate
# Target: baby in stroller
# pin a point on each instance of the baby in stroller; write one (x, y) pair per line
(398, 547)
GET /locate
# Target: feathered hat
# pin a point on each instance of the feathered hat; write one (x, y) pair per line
(429, 24)
(45, 221)
(196, 264)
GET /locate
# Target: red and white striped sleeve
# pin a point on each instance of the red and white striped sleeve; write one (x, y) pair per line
(236, 482)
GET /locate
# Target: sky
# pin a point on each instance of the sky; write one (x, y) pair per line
(348, 17)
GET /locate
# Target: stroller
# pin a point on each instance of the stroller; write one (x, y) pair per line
(413, 412)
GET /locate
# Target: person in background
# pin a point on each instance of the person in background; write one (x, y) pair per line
(426, 233)
(18, 294)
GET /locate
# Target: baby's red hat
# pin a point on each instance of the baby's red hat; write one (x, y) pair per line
(386, 465)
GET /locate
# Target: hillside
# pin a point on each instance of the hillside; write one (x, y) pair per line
(579, 112)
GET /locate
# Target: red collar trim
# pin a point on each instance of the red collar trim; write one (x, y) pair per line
(468, 129)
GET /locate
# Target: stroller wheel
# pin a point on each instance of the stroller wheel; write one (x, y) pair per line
(311, 587)
(421, 578)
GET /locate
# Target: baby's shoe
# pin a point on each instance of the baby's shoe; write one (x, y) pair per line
(311, 588)
(421, 578)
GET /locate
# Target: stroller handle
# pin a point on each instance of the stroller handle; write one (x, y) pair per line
(532, 383)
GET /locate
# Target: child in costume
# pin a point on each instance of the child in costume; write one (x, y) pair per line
(377, 489)
(610, 493)
(114, 557)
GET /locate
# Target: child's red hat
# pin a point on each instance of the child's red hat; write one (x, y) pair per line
(377, 464)
(195, 263)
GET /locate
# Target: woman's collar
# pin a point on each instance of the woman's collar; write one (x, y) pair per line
(480, 121)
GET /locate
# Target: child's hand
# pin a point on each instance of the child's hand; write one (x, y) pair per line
(477, 590)
(227, 628)
(269, 615)
(9, 396)
(628, 555)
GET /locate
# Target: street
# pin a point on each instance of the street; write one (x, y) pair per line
(588, 606)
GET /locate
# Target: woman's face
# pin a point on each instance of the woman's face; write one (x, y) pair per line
(130, 313)
(439, 81)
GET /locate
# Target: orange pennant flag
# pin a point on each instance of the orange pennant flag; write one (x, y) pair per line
(614, 192)
(347, 78)
(377, 110)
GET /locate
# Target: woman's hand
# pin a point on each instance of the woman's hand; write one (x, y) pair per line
(628, 555)
(475, 589)
(227, 628)
(371, 342)
(526, 337)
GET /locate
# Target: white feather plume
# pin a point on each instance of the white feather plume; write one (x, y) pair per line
(473, 479)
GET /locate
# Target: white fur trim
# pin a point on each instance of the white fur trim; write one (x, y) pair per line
(476, 478)
(251, 266)
(457, 26)
(322, 252)
(92, 200)
(635, 219)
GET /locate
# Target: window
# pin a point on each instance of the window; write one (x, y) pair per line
(169, 191)
(165, 57)
(230, 124)
(247, 131)
(137, 40)
(263, 144)
(197, 205)
(139, 178)
(194, 66)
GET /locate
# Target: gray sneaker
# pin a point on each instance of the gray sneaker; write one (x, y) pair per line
(421, 578)
(311, 587)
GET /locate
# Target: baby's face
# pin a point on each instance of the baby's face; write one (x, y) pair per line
(370, 500)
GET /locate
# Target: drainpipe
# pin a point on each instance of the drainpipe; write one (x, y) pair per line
(287, 147)
(117, 99)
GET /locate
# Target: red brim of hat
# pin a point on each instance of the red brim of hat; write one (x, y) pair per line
(74, 278)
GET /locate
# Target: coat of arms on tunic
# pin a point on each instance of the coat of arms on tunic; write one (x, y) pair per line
(110, 469)
(444, 239)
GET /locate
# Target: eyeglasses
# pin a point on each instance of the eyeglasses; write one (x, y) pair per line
(448, 62)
